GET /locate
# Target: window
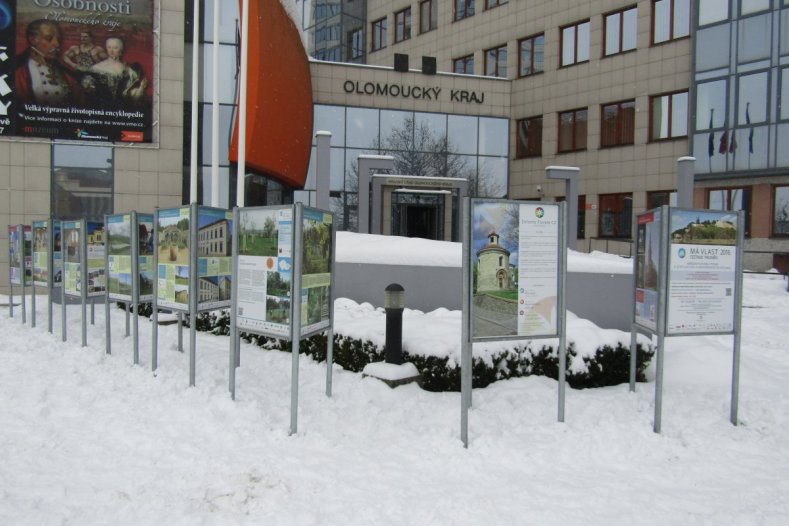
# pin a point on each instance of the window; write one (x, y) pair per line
(403, 25)
(781, 210)
(428, 15)
(496, 62)
(732, 199)
(668, 116)
(531, 51)
(575, 43)
(81, 181)
(355, 43)
(660, 198)
(379, 34)
(615, 217)
(712, 11)
(620, 31)
(528, 143)
(572, 130)
(618, 123)
(490, 4)
(753, 6)
(463, 65)
(783, 102)
(670, 20)
(464, 9)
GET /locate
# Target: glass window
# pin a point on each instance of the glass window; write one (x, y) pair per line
(496, 62)
(464, 9)
(618, 123)
(491, 178)
(615, 218)
(330, 119)
(225, 122)
(393, 126)
(403, 25)
(572, 130)
(784, 31)
(711, 11)
(428, 15)
(670, 20)
(227, 71)
(463, 65)
(781, 210)
(749, 146)
(620, 31)
(712, 47)
(528, 142)
(711, 105)
(378, 30)
(362, 128)
(660, 198)
(782, 159)
(462, 134)
(754, 39)
(753, 6)
(734, 200)
(575, 43)
(784, 100)
(493, 136)
(228, 18)
(82, 181)
(531, 52)
(752, 107)
(490, 4)
(355, 43)
(206, 178)
(668, 115)
(434, 124)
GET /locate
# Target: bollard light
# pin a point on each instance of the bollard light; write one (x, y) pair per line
(394, 303)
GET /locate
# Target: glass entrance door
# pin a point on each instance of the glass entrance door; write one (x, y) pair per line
(418, 215)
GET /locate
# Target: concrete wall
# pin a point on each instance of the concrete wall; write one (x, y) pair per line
(605, 299)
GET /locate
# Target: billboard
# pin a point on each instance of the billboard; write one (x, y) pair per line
(515, 261)
(316, 245)
(173, 258)
(702, 271)
(214, 257)
(265, 268)
(77, 69)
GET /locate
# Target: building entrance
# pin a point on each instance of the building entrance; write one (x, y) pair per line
(418, 215)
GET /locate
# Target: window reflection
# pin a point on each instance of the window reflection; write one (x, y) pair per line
(754, 38)
(330, 119)
(434, 123)
(783, 138)
(712, 48)
(784, 101)
(394, 129)
(491, 177)
(493, 134)
(753, 6)
(784, 31)
(711, 11)
(462, 134)
(225, 122)
(227, 73)
(362, 127)
(781, 211)
(82, 181)
(228, 18)
(711, 104)
(752, 98)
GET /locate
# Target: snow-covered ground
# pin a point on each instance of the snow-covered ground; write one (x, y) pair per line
(87, 438)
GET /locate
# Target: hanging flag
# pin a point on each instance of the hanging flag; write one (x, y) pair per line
(711, 143)
(724, 144)
(748, 121)
(733, 143)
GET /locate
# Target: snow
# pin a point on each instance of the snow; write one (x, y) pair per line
(390, 371)
(88, 438)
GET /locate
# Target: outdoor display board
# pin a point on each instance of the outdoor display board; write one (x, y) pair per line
(94, 240)
(648, 247)
(173, 258)
(121, 251)
(77, 70)
(702, 272)
(41, 253)
(215, 257)
(16, 254)
(72, 257)
(515, 257)
(316, 264)
(265, 264)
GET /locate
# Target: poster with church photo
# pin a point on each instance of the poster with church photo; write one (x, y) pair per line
(515, 262)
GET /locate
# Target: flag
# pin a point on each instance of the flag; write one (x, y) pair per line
(733, 143)
(711, 143)
(750, 133)
(724, 144)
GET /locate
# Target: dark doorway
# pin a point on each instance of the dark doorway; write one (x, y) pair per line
(418, 215)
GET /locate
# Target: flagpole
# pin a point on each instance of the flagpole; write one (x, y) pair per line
(195, 105)
(242, 105)
(215, 112)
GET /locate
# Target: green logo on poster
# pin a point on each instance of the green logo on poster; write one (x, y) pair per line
(539, 212)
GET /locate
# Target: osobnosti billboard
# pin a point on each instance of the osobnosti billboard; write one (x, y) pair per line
(77, 69)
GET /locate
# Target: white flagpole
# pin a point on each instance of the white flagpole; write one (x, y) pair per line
(242, 105)
(195, 105)
(215, 113)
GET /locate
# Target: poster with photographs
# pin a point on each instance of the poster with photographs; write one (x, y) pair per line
(119, 257)
(648, 247)
(94, 237)
(264, 271)
(702, 271)
(215, 257)
(56, 252)
(77, 70)
(515, 269)
(145, 256)
(72, 258)
(316, 276)
(15, 254)
(41, 253)
(173, 258)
